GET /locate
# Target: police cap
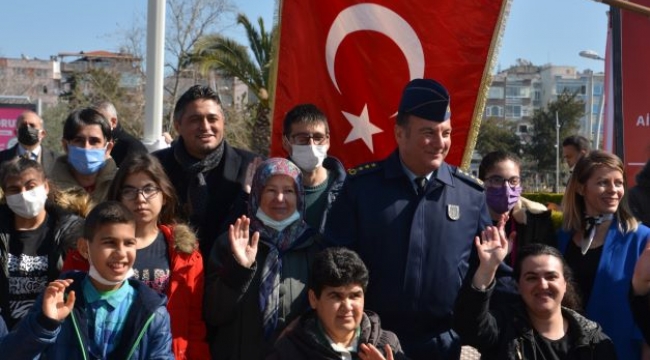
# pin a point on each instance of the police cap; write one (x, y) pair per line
(427, 99)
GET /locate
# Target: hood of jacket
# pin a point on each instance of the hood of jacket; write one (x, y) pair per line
(524, 205)
(184, 239)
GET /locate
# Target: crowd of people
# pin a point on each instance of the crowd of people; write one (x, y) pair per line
(203, 250)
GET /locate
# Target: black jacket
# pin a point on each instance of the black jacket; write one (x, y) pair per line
(125, 145)
(225, 183)
(67, 229)
(505, 333)
(231, 296)
(48, 157)
(303, 339)
(639, 196)
(337, 173)
(640, 306)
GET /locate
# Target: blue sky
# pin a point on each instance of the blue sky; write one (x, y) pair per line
(543, 31)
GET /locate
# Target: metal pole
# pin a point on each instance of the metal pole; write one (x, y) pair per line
(600, 118)
(590, 130)
(557, 153)
(153, 114)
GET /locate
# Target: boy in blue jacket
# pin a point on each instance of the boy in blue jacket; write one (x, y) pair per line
(99, 315)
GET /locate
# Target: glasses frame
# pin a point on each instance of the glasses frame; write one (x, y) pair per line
(498, 181)
(309, 138)
(138, 191)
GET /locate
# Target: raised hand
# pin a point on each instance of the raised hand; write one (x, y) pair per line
(641, 277)
(250, 173)
(243, 247)
(501, 225)
(492, 248)
(370, 352)
(54, 307)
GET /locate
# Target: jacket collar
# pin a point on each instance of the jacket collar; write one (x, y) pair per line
(393, 169)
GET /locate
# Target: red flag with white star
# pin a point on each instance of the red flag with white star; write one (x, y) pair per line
(352, 59)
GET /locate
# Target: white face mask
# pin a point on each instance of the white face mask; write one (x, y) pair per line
(275, 224)
(28, 204)
(93, 273)
(308, 157)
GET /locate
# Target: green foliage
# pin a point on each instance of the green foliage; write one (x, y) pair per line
(239, 127)
(544, 198)
(496, 135)
(217, 52)
(53, 119)
(103, 84)
(542, 148)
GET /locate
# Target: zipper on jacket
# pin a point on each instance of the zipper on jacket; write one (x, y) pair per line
(518, 347)
(76, 330)
(139, 338)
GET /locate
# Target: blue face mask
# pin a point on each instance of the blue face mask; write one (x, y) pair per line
(86, 161)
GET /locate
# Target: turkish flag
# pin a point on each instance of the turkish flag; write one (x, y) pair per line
(635, 87)
(352, 59)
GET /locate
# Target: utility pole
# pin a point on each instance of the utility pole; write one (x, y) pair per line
(557, 153)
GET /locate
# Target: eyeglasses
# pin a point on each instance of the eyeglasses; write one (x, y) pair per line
(498, 181)
(131, 193)
(303, 139)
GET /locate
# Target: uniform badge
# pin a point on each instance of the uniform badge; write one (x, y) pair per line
(453, 211)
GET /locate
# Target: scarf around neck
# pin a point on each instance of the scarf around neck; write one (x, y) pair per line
(591, 223)
(279, 242)
(197, 189)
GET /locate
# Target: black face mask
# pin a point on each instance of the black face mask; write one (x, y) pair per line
(28, 135)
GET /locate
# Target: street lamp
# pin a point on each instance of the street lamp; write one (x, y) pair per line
(590, 54)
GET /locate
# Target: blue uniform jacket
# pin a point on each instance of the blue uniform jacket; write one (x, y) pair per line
(146, 333)
(608, 304)
(417, 249)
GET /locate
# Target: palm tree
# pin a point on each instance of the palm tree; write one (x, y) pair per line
(217, 52)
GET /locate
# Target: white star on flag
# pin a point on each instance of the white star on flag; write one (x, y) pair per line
(362, 128)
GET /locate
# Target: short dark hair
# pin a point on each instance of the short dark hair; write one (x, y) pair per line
(85, 117)
(107, 212)
(402, 119)
(571, 296)
(306, 114)
(196, 92)
(149, 165)
(17, 166)
(337, 266)
(579, 142)
(491, 159)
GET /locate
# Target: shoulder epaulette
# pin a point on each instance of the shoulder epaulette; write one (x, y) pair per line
(470, 179)
(363, 169)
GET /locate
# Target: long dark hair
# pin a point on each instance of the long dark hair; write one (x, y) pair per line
(148, 164)
(571, 297)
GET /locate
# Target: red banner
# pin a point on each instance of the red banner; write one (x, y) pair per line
(635, 57)
(353, 58)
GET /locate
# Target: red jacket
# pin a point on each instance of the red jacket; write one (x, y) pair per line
(184, 292)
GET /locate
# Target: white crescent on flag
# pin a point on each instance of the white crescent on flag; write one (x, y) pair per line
(372, 17)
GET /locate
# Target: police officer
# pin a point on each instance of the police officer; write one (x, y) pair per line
(412, 218)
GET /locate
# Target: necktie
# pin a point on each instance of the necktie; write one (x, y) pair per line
(420, 184)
